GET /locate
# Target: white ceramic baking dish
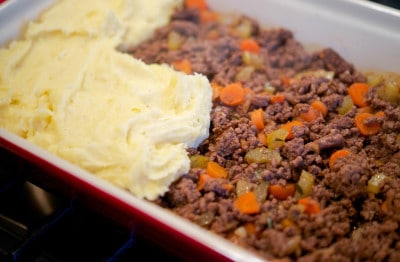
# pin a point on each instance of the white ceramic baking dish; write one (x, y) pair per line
(366, 34)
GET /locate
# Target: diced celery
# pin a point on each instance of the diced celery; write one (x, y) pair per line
(305, 183)
(346, 105)
(277, 138)
(198, 161)
(262, 155)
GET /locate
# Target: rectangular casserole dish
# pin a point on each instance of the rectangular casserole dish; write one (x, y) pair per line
(366, 34)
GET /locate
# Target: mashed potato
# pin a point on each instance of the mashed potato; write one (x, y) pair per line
(65, 88)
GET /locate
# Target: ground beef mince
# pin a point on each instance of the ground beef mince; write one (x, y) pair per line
(327, 187)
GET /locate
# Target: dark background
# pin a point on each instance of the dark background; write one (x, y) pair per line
(391, 3)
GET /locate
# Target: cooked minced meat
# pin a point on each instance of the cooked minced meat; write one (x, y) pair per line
(346, 209)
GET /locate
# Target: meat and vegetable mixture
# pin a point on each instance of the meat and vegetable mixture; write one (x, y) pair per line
(303, 158)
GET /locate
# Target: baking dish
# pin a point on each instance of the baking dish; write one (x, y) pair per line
(365, 34)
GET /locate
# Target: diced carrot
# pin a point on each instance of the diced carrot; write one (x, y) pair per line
(247, 203)
(310, 115)
(250, 45)
(263, 138)
(232, 94)
(338, 154)
(203, 178)
(278, 98)
(248, 92)
(320, 106)
(287, 222)
(199, 4)
(364, 109)
(213, 34)
(282, 192)
(289, 125)
(385, 206)
(183, 65)
(380, 114)
(216, 89)
(208, 16)
(257, 118)
(366, 128)
(228, 187)
(286, 81)
(358, 92)
(250, 228)
(215, 170)
(311, 205)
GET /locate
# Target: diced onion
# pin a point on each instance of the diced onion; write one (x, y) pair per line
(228, 18)
(357, 234)
(240, 231)
(269, 89)
(175, 41)
(316, 73)
(206, 218)
(314, 147)
(252, 59)
(293, 245)
(243, 186)
(244, 73)
(261, 191)
(375, 183)
(244, 29)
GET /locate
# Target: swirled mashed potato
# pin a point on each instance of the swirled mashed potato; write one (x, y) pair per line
(66, 88)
